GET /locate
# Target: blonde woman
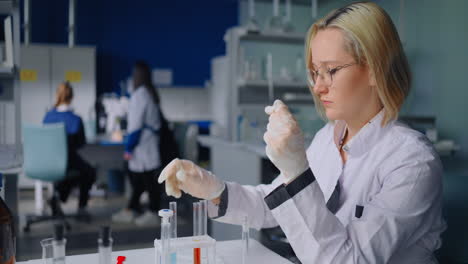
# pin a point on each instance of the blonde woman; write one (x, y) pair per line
(368, 189)
(63, 113)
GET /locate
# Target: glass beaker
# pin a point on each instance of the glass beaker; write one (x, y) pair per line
(47, 251)
(53, 251)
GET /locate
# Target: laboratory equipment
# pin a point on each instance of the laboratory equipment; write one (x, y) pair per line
(314, 9)
(196, 231)
(165, 215)
(184, 247)
(202, 218)
(299, 74)
(275, 24)
(7, 232)
(253, 73)
(285, 74)
(252, 25)
(58, 244)
(173, 223)
(173, 219)
(197, 249)
(53, 249)
(246, 70)
(270, 76)
(47, 251)
(105, 245)
(245, 239)
(288, 26)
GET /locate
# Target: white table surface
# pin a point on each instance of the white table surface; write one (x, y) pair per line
(227, 252)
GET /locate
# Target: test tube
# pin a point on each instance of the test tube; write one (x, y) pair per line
(196, 231)
(203, 225)
(245, 239)
(173, 222)
(105, 245)
(203, 217)
(196, 219)
(165, 214)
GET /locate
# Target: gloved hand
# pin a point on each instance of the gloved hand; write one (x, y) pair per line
(184, 175)
(285, 142)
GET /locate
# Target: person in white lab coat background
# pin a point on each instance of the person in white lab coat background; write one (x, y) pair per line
(142, 149)
(368, 189)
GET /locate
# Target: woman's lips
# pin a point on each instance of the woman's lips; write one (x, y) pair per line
(325, 102)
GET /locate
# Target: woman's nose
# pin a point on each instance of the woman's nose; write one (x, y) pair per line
(320, 86)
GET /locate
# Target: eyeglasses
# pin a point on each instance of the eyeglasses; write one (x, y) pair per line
(327, 75)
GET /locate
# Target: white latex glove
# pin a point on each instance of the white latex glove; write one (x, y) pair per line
(184, 175)
(285, 142)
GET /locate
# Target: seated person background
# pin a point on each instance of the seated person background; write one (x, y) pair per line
(63, 113)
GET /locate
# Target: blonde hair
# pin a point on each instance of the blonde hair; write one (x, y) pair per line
(64, 94)
(372, 39)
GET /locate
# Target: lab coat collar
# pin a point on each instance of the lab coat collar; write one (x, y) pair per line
(327, 166)
(64, 108)
(366, 138)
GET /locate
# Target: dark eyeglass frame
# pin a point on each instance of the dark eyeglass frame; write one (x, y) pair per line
(313, 75)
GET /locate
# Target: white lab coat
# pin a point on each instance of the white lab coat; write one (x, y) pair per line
(393, 172)
(143, 115)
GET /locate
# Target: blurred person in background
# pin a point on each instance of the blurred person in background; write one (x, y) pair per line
(142, 149)
(84, 180)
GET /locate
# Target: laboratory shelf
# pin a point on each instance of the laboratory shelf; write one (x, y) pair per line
(291, 38)
(294, 2)
(276, 84)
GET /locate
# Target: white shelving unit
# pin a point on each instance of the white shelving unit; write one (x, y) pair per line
(10, 112)
(237, 150)
(295, 2)
(276, 84)
(11, 158)
(245, 93)
(285, 38)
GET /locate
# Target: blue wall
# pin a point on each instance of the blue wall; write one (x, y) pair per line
(182, 35)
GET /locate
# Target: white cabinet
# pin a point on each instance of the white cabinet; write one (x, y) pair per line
(77, 63)
(36, 91)
(44, 67)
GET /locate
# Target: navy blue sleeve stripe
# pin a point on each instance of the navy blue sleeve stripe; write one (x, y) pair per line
(132, 140)
(298, 184)
(223, 204)
(284, 192)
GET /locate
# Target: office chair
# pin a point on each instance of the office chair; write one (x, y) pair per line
(45, 160)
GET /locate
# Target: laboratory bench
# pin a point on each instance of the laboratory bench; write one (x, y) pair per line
(227, 252)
